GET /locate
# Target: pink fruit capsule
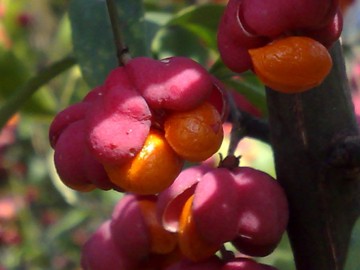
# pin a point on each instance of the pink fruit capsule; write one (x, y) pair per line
(118, 123)
(175, 83)
(75, 165)
(276, 17)
(70, 151)
(263, 211)
(100, 252)
(215, 208)
(128, 228)
(234, 40)
(245, 264)
(171, 201)
(64, 118)
(213, 263)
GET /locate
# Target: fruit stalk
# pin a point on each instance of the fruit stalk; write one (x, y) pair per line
(122, 51)
(245, 125)
(324, 200)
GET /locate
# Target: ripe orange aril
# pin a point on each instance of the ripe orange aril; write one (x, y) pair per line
(291, 64)
(152, 170)
(196, 134)
(191, 244)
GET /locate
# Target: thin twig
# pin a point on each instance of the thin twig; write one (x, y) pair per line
(122, 51)
(237, 131)
(245, 125)
(255, 127)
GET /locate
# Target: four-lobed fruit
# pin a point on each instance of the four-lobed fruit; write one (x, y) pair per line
(132, 239)
(119, 119)
(122, 139)
(135, 238)
(211, 206)
(253, 27)
(124, 107)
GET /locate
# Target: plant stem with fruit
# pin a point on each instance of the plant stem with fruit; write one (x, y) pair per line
(122, 51)
(324, 199)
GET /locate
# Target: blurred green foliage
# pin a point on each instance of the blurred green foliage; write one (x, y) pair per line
(43, 224)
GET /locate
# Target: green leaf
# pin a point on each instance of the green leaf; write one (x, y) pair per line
(153, 22)
(245, 83)
(352, 261)
(13, 75)
(93, 41)
(202, 20)
(253, 92)
(42, 103)
(71, 220)
(23, 93)
(175, 40)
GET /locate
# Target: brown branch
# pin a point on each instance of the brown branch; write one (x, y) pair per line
(324, 204)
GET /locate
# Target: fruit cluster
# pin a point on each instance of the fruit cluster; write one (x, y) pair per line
(186, 224)
(284, 42)
(134, 132)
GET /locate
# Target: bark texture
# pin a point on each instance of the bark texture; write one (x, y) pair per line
(314, 137)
